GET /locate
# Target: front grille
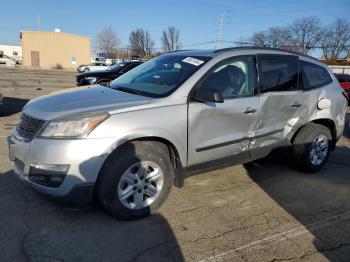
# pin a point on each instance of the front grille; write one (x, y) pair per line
(29, 126)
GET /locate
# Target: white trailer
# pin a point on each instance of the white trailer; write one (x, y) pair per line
(12, 51)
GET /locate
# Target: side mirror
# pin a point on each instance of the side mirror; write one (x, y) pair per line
(204, 95)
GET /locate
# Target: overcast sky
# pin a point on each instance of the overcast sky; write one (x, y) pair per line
(197, 21)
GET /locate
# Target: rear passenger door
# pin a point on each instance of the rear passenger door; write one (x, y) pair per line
(281, 102)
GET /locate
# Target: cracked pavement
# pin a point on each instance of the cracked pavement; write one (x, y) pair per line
(261, 211)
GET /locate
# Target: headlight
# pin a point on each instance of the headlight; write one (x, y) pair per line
(72, 128)
(91, 80)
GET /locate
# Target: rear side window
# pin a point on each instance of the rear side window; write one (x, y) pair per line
(278, 73)
(314, 76)
(129, 67)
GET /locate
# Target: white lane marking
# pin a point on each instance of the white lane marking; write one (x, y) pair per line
(287, 234)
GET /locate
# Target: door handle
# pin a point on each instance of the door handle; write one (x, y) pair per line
(249, 110)
(296, 104)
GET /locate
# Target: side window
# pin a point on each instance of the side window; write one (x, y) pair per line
(278, 73)
(314, 76)
(128, 68)
(232, 77)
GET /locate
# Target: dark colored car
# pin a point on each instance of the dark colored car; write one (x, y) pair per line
(344, 80)
(105, 76)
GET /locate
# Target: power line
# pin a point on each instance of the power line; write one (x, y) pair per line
(201, 43)
(221, 24)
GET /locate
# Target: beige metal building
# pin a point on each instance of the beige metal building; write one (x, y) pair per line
(54, 49)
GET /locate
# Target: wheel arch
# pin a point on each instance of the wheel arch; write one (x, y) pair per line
(178, 165)
(329, 123)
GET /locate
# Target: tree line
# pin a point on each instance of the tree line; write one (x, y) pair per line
(140, 42)
(306, 34)
(302, 35)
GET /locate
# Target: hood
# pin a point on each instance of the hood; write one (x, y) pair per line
(74, 101)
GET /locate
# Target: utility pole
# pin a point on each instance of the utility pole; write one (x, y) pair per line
(38, 22)
(221, 24)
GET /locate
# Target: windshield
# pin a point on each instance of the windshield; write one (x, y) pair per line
(160, 76)
(115, 66)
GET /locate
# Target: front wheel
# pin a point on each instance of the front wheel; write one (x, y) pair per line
(136, 180)
(311, 147)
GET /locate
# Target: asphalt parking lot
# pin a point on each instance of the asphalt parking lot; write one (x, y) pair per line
(261, 211)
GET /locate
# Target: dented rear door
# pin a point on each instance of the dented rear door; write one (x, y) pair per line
(282, 102)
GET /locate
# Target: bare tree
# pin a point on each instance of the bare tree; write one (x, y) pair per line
(273, 37)
(279, 37)
(307, 33)
(170, 39)
(336, 41)
(107, 40)
(259, 39)
(141, 42)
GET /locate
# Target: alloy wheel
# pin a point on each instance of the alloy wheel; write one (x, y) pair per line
(319, 150)
(140, 185)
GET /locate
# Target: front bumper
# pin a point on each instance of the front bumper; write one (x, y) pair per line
(85, 82)
(85, 158)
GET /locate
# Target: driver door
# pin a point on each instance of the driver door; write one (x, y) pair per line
(222, 131)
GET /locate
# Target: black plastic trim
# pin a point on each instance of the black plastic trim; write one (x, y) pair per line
(222, 144)
(237, 141)
(80, 196)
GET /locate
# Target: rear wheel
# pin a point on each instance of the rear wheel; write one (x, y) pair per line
(311, 147)
(136, 180)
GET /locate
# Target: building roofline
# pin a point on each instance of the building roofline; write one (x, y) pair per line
(52, 32)
(11, 45)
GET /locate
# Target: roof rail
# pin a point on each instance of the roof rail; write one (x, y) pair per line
(179, 50)
(262, 48)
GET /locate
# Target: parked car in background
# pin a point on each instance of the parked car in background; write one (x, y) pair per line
(344, 80)
(1, 97)
(178, 114)
(112, 61)
(4, 59)
(92, 67)
(105, 76)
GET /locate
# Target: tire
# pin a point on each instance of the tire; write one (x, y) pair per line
(114, 180)
(308, 157)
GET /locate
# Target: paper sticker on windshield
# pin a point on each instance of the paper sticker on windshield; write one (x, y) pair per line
(193, 61)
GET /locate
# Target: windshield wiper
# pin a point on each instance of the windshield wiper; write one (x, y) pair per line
(128, 90)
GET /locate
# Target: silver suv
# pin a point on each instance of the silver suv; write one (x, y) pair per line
(175, 115)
